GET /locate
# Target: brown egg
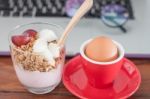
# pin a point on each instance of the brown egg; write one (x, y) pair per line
(101, 49)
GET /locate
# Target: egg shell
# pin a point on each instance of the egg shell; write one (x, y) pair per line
(102, 49)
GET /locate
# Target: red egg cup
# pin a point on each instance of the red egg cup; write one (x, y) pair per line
(101, 74)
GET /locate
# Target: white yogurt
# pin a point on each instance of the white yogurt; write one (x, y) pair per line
(51, 51)
(47, 35)
(38, 79)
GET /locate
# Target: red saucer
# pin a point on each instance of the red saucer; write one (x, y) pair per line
(125, 84)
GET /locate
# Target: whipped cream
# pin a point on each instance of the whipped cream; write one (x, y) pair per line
(44, 47)
(47, 35)
(39, 46)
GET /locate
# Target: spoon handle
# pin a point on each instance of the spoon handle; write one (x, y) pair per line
(87, 4)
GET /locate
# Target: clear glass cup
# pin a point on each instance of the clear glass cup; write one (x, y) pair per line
(32, 70)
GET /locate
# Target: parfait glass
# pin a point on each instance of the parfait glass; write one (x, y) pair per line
(32, 70)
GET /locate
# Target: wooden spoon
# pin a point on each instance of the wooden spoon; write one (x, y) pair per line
(87, 4)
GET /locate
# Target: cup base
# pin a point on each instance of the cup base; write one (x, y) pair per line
(40, 90)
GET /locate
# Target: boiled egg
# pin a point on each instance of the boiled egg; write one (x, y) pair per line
(101, 49)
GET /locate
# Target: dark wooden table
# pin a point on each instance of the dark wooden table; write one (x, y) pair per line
(10, 87)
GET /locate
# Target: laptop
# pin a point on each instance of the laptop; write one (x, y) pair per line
(135, 41)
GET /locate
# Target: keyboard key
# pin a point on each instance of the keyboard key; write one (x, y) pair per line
(4, 2)
(92, 12)
(39, 4)
(4, 5)
(40, 14)
(16, 14)
(54, 10)
(27, 14)
(44, 3)
(63, 2)
(6, 13)
(62, 12)
(58, 5)
(29, 4)
(11, 3)
(48, 13)
(20, 3)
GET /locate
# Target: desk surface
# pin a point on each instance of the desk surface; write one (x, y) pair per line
(10, 87)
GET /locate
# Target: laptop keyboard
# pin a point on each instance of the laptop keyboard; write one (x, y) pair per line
(49, 8)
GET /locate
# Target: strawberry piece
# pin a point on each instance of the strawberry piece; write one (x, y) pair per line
(30, 33)
(19, 40)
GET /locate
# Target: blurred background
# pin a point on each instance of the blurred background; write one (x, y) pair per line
(126, 21)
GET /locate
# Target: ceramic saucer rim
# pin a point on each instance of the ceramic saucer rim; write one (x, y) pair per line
(83, 97)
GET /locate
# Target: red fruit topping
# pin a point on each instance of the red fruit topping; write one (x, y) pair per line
(30, 33)
(19, 40)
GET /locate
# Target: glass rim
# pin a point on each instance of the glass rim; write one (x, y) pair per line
(22, 25)
(32, 23)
